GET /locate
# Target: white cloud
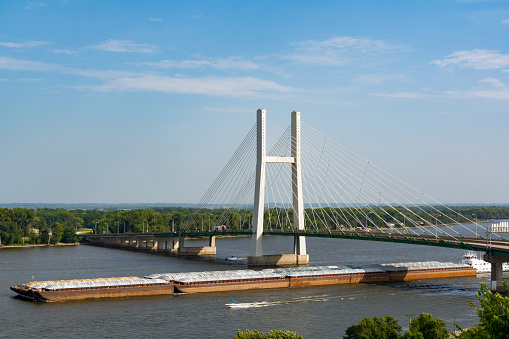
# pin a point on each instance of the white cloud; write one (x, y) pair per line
(132, 81)
(26, 65)
(407, 95)
(156, 19)
(229, 110)
(26, 44)
(213, 86)
(64, 51)
(505, 22)
(377, 79)
(36, 66)
(493, 82)
(30, 79)
(218, 63)
(340, 51)
(478, 59)
(497, 94)
(34, 4)
(123, 46)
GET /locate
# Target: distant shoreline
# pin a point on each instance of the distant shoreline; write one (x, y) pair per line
(38, 245)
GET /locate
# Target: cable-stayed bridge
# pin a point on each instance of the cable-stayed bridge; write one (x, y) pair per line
(298, 182)
(305, 184)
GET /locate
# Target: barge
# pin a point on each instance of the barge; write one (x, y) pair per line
(237, 280)
(64, 290)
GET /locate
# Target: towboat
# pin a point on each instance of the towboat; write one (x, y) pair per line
(470, 258)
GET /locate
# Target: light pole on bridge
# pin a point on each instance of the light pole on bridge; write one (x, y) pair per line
(475, 222)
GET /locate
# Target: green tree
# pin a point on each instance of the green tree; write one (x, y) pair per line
(22, 217)
(476, 332)
(69, 235)
(493, 314)
(33, 238)
(375, 328)
(57, 232)
(44, 235)
(426, 327)
(274, 334)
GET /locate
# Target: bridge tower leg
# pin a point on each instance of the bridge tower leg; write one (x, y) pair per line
(298, 203)
(299, 257)
(259, 198)
(496, 261)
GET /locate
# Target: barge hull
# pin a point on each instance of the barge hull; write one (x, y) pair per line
(322, 280)
(225, 287)
(94, 293)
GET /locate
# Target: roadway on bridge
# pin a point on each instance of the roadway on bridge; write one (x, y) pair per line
(497, 247)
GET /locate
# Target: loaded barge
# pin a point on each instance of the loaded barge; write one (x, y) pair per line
(236, 280)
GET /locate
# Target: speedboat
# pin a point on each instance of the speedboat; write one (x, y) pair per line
(235, 304)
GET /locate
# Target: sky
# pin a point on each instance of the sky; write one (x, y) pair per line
(126, 101)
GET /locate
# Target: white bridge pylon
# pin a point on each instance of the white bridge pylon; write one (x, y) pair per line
(263, 159)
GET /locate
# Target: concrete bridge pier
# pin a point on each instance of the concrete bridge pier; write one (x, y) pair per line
(496, 271)
(165, 244)
(112, 242)
(154, 243)
(127, 242)
(196, 251)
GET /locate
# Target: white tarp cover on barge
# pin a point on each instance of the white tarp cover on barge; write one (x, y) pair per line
(89, 283)
(210, 276)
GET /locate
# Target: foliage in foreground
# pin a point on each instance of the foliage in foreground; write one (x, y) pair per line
(377, 327)
(274, 334)
(425, 326)
(493, 315)
(422, 327)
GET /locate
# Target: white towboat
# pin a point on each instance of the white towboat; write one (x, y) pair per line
(470, 258)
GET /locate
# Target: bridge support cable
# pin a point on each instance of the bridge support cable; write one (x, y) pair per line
(362, 182)
(366, 206)
(306, 216)
(358, 189)
(428, 205)
(232, 164)
(355, 187)
(232, 174)
(327, 172)
(278, 180)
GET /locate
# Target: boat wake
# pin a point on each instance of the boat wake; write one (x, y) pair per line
(324, 297)
(313, 298)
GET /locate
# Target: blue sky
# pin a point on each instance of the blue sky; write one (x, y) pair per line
(145, 101)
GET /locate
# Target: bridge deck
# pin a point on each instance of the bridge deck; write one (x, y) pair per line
(498, 247)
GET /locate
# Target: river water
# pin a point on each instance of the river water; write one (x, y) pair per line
(314, 312)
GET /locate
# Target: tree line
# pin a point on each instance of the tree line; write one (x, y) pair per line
(52, 225)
